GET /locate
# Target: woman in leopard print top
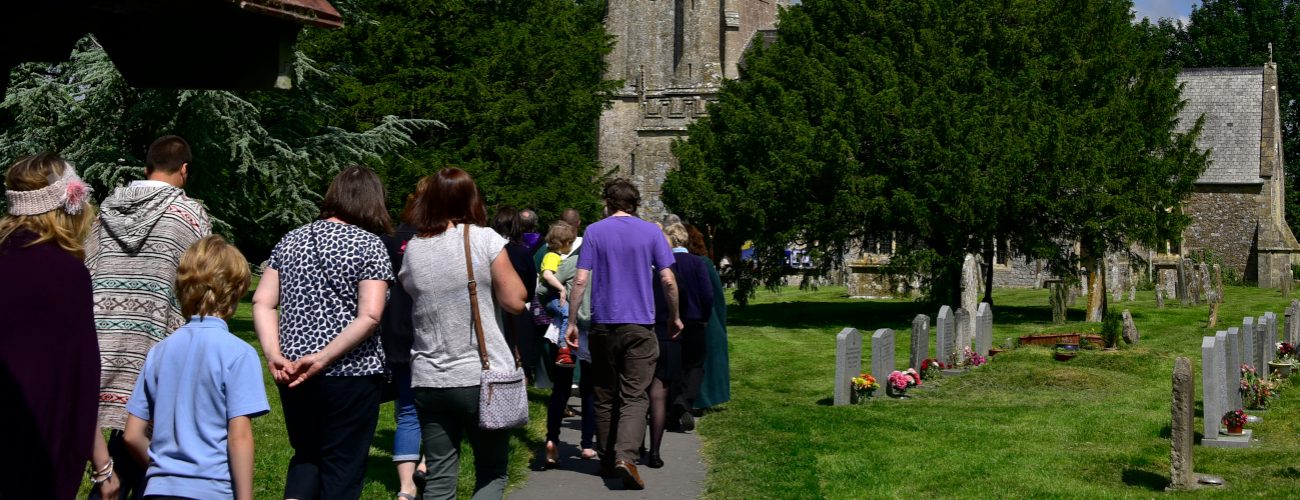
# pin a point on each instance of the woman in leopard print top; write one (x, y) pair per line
(329, 280)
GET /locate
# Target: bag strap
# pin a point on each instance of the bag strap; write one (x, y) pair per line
(473, 305)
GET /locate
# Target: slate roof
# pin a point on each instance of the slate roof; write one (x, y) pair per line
(1231, 100)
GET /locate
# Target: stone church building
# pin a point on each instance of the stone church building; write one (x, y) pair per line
(1237, 207)
(672, 56)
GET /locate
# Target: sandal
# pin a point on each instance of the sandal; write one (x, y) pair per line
(406, 496)
(552, 455)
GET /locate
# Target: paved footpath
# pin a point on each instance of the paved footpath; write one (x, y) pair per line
(682, 475)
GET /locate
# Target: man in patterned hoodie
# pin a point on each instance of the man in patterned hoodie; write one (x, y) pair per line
(132, 253)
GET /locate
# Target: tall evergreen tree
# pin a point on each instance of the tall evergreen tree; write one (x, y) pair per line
(519, 84)
(944, 124)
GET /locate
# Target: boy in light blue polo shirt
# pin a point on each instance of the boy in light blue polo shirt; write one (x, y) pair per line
(200, 387)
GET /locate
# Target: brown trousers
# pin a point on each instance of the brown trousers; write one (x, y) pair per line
(623, 360)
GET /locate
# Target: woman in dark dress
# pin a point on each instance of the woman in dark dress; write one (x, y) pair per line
(49, 354)
(715, 389)
(519, 330)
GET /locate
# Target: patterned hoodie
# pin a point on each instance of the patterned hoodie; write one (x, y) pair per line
(132, 253)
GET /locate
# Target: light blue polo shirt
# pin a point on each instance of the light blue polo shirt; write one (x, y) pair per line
(193, 383)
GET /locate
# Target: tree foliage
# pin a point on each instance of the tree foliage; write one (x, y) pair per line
(1228, 33)
(942, 124)
(261, 159)
(519, 84)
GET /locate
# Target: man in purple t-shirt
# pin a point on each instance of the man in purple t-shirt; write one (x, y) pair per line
(621, 255)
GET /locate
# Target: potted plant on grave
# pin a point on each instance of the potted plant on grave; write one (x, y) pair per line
(1065, 352)
(973, 358)
(1286, 358)
(1256, 392)
(900, 382)
(1234, 421)
(931, 369)
(864, 387)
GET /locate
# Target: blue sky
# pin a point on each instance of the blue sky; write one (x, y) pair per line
(1155, 9)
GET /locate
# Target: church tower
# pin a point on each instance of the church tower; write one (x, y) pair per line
(672, 56)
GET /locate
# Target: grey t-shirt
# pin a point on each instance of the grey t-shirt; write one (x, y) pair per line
(445, 352)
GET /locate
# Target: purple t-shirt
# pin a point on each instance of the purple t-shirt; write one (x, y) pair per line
(624, 255)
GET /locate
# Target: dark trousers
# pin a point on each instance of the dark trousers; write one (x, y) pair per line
(447, 415)
(129, 473)
(687, 388)
(623, 362)
(561, 390)
(330, 422)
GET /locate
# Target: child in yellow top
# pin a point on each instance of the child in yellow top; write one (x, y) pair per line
(559, 241)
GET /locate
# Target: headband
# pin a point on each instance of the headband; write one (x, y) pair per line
(69, 192)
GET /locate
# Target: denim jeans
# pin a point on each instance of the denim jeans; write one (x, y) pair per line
(559, 312)
(406, 438)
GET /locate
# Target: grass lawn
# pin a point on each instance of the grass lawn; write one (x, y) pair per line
(273, 450)
(1022, 426)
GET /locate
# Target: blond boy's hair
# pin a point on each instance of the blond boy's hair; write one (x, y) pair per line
(211, 278)
(560, 237)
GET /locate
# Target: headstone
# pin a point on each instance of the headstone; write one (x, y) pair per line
(1261, 347)
(1232, 368)
(1132, 292)
(1183, 264)
(970, 292)
(1182, 434)
(1248, 341)
(964, 334)
(1212, 386)
(945, 335)
(984, 329)
(1218, 281)
(1214, 394)
(1270, 338)
(1059, 298)
(1206, 284)
(882, 354)
(1194, 284)
(1291, 317)
(1160, 298)
(920, 341)
(1131, 335)
(848, 363)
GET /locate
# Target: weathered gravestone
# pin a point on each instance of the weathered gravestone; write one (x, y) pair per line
(1218, 281)
(1183, 294)
(1258, 357)
(1214, 393)
(1248, 341)
(848, 363)
(1182, 434)
(984, 329)
(1207, 284)
(1232, 368)
(1160, 298)
(964, 334)
(920, 341)
(1292, 311)
(970, 292)
(1132, 292)
(1059, 298)
(1131, 334)
(945, 335)
(882, 355)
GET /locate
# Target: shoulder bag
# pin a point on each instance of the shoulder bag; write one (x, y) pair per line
(502, 397)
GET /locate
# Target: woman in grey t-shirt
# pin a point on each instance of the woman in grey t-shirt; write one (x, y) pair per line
(445, 367)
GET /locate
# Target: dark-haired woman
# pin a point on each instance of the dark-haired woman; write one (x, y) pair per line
(445, 363)
(519, 327)
(329, 280)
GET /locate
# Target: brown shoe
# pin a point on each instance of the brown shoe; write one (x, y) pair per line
(627, 471)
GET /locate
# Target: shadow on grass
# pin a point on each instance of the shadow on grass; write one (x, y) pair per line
(826, 401)
(380, 468)
(1145, 479)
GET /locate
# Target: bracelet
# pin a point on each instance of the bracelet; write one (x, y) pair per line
(108, 468)
(97, 480)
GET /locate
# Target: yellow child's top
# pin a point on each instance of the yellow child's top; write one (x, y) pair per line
(551, 262)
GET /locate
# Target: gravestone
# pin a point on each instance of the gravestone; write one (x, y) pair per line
(1258, 356)
(1212, 386)
(1160, 298)
(920, 341)
(1183, 264)
(1131, 334)
(945, 335)
(1182, 429)
(1232, 368)
(1290, 328)
(984, 329)
(1248, 341)
(1059, 298)
(970, 292)
(964, 334)
(882, 354)
(1218, 281)
(1207, 285)
(848, 363)
(1132, 292)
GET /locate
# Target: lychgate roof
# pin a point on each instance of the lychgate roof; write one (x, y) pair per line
(1231, 100)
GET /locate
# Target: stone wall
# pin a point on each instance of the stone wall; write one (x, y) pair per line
(1224, 221)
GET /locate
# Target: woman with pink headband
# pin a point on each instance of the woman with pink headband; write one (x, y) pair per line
(49, 356)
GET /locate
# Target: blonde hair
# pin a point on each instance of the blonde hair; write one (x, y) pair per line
(211, 278)
(677, 235)
(68, 231)
(560, 237)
